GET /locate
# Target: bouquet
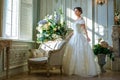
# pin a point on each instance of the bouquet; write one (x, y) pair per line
(117, 17)
(52, 27)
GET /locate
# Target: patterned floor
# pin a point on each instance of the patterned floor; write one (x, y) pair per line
(56, 76)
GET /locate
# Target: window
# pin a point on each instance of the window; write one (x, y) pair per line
(18, 19)
(11, 23)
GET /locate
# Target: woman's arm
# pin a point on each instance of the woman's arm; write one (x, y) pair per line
(84, 27)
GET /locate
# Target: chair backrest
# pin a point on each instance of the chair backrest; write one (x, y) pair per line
(56, 57)
(47, 46)
(35, 53)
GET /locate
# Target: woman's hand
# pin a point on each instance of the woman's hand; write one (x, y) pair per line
(88, 39)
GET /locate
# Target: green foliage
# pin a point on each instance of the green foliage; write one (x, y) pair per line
(98, 49)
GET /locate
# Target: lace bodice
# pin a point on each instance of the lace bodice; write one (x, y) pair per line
(77, 26)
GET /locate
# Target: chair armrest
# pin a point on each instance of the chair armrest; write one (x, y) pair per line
(55, 56)
(53, 51)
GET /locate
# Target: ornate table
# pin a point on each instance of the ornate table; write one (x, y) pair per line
(4, 43)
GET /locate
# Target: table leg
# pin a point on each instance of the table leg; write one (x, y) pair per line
(7, 61)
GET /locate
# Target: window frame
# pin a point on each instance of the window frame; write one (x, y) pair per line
(18, 36)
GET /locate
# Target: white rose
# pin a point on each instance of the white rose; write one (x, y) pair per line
(39, 35)
(50, 17)
(61, 20)
(39, 28)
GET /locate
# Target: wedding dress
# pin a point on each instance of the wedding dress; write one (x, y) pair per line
(78, 57)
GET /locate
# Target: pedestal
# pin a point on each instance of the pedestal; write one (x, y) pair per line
(116, 64)
(116, 47)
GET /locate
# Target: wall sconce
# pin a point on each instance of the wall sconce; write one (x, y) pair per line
(101, 2)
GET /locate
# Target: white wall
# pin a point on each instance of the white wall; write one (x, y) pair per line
(99, 19)
(104, 19)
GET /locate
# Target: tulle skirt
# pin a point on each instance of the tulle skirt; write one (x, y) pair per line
(79, 58)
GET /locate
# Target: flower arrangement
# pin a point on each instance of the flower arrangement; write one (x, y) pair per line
(103, 48)
(52, 27)
(117, 17)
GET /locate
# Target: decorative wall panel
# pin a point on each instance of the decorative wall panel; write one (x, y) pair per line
(18, 56)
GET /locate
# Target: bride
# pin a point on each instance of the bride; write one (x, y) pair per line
(79, 58)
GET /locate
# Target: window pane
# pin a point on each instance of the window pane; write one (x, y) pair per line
(11, 27)
(14, 25)
(8, 30)
(26, 20)
(8, 17)
(15, 5)
(18, 23)
(9, 3)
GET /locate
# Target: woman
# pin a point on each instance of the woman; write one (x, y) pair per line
(79, 58)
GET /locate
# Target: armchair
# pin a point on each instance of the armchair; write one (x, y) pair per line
(48, 55)
(42, 59)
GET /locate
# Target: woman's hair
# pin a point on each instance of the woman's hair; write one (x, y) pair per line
(79, 9)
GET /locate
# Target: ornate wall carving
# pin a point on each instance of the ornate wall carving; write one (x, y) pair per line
(115, 39)
(18, 56)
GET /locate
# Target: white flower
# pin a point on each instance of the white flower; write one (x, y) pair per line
(47, 35)
(40, 25)
(39, 28)
(62, 20)
(50, 17)
(55, 13)
(39, 35)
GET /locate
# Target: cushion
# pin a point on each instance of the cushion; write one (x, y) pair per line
(38, 59)
(36, 53)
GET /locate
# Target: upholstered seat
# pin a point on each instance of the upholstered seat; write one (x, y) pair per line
(40, 59)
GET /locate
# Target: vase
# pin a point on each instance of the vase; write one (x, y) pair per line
(102, 61)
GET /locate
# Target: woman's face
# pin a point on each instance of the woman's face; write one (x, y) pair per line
(77, 12)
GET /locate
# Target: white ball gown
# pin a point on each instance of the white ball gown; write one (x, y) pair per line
(78, 57)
